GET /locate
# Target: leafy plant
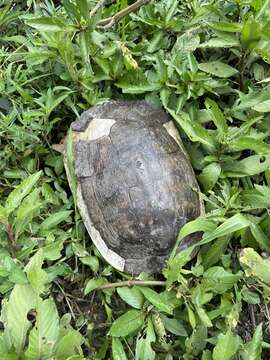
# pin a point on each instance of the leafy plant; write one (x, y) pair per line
(207, 64)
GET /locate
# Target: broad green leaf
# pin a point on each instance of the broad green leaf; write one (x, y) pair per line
(127, 323)
(54, 219)
(175, 264)
(250, 166)
(43, 336)
(260, 236)
(255, 266)
(194, 130)
(91, 261)
(219, 280)
(49, 24)
(143, 344)
(16, 196)
(209, 176)
(36, 275)
(253, 349)
(235, 223)
(132, 296)
(174, 326)
(92, 284)
(221, 42)
(226, 26)
(218, 68)
(251, 33)
(212, 256)
(26, 211)
(250, 297)
(217, 116)
(118, 350)
(22, 300)
(138, 89)
(227, 346)
(69, 345)
(263, 107)
(250, 143)
(155, 299)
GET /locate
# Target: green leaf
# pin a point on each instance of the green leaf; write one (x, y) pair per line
(218, 68)
(263, 107)
(16, 196)
(194, 130)
(132, 296)
(92, 284)
(250, 297)
(44, 335)
(47, 24)
(143, 344)
(91, 261)
(251, 33)
(253, 349)
(209, 176)
(69, 345)
(36, 275)
(22, 300)
(155, 299)
(219, 280)
(174, 326)
(226, 26)
(26, 211)
(217, 116)
(127, 323)
(138, 89)
(235, 223)
(54, 219)
(250, 166)
(227, 346)
(255, 266)
(118, 350)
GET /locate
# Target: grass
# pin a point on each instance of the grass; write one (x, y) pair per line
(206, 62)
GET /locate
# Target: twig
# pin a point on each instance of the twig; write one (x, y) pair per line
(11, 239)
(98, 5)
(132, 283)
(109, 22)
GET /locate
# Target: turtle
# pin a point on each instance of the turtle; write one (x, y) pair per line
(135, 184)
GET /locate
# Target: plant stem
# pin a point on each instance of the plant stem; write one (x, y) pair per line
(132, 283)
(109, 22)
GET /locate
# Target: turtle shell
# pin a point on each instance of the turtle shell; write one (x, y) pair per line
(135, 183)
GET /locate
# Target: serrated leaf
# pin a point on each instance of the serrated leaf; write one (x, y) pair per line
(127, 323)
(218, 68)
(132, 296)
